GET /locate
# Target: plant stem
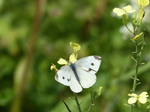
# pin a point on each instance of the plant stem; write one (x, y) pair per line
(138, 53)
(77, 102)
(128, 29)
(91, 103)
(137, 67)
(89, 107)
(66, 106)
(19, 91)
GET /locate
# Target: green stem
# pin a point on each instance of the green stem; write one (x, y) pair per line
(128, 28)
(91, 103)
(136, 70)
(137, 67)
(77, 102)
(89, 108)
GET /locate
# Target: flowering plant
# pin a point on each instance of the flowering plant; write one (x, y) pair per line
(141, 98)
(136, 38)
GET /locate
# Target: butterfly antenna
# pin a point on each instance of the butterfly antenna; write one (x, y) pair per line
(66, 106)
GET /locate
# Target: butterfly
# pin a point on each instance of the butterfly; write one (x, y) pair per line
(80, 74)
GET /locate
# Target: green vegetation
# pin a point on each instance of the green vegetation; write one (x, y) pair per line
(35, 34)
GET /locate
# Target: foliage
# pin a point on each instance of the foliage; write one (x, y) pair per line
(89, 23)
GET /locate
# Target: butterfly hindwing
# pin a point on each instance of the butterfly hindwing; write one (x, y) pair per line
(74, 84)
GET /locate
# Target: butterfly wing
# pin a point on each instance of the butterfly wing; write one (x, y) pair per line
(74, 84)
(66, 77)
(86, 69)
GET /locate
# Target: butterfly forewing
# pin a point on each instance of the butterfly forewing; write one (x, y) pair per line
(86, 68)
(91, 62)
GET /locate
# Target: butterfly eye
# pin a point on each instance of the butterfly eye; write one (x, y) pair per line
(92, 64)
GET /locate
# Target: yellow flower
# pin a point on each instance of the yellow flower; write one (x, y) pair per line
(62, 61)
(100, 90)
(126, 9)
(142, 98)
(53, 67)
(73, 57)
(137, 36)
(76, 47)
(143, 3)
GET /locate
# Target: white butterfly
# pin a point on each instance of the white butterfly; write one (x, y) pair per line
(80, 74)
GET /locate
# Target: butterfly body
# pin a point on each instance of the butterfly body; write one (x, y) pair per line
(80, 74)
(73, 67)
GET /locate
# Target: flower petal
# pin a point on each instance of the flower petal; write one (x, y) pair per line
(72, 58)
(76, 47)
(133, 95)
(132, 100)
(142, 100)
(143, 94)
(62, 61)
(118, 11)
(143, 3)
(128, 9)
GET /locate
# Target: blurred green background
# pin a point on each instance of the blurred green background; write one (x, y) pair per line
(36, 33)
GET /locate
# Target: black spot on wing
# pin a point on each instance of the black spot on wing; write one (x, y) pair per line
(97, 57)
(92, 64)
(64, 78)
(56, 76)
(90, 69)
